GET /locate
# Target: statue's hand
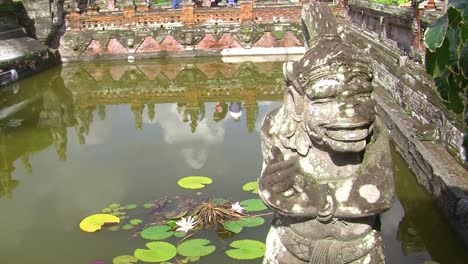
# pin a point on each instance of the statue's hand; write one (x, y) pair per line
(283, 175)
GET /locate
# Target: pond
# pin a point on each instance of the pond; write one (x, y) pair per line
(77, 138)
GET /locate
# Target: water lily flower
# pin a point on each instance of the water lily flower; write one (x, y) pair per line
(236, 207)
(185, 224)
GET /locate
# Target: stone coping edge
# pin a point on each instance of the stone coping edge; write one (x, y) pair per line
(435, 169)
(224, 53)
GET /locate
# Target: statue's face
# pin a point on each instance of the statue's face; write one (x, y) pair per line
(341, 111)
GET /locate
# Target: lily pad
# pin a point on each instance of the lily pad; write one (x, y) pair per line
(194, 182)
(171, 223)
(118, 213)
(251, 187)
(219, 201)
(128, 227)
(195, 248)
(232, 226)
(175, 214)
(159, 232)
(189, 259)
(124, 259)
(136, 221)
(94, 222)
(114, 205)
(158, 252)
(251, 221)
(179, 234)
(148, 205)
(130, 206)
(114, 228)
(106, 210)
(253, 205)
(246, 249)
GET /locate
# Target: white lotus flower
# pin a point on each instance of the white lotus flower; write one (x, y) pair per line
(236, 207)
(185, 224)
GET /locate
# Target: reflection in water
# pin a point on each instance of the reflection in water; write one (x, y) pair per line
(50, 105)
(183, 111)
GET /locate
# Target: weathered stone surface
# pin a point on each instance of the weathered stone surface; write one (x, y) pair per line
(289, 40)
(115, 47)
(435, 169)
(266, 41)
(117, 71)
(227, 41)
(327, 171)
(169, 43)
(149, 44)
(94, 49)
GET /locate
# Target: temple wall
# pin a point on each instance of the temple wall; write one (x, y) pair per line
(186, 32)
(408, 102)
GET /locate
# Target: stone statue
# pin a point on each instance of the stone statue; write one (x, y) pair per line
(327, 171)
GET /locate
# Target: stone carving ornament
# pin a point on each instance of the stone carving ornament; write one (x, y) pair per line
(327, 170)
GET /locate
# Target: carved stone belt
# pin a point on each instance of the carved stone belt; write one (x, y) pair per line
(327, 251)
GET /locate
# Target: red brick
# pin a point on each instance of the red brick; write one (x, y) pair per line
(169, 43)
(149, 44)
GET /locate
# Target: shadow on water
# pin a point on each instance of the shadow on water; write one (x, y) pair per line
(76, 138)
(419, 228)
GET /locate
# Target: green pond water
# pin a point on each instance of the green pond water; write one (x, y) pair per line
(77, 138)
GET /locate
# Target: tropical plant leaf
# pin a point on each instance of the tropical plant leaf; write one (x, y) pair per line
(232, 226)
(136, 221)
(435, 34)
(246, 249)
(454, 17)
(195, 248)
(158, 252)
(159, 232)
(251, 187)
(463, 61)
(438, 60)
(194, 182)
(251, 221)
(455, 101)
(94, 222)
(124, 259)
(253, 205)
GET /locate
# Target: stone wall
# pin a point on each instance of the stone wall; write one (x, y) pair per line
(184, 32)
(409, 104)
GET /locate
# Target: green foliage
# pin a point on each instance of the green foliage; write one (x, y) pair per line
(10, 9)
(391, 2)
(157, 252)
(447, 56)
(124, 259)
(195, 248)
(232, 226)
(246, 249)
(194, 182)
(237, 226)
(253, 205)
(94, 222)
(159, 232)
(251, 187)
